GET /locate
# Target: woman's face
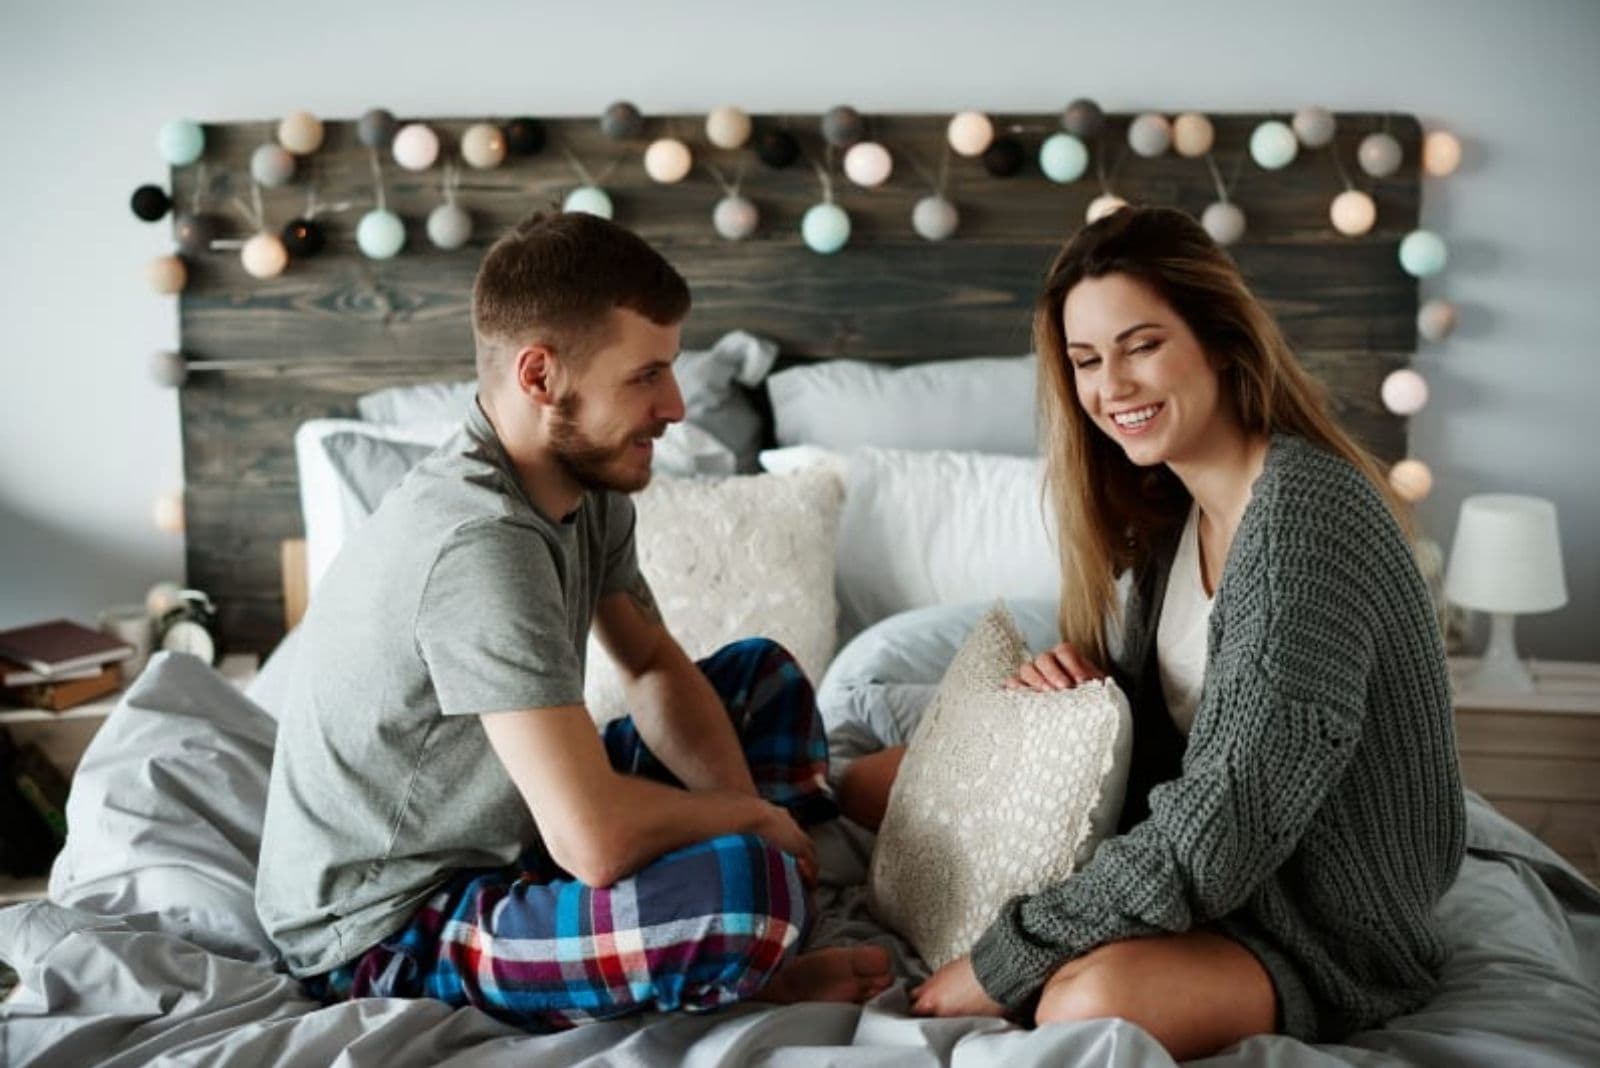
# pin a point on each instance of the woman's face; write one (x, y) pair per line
(1139, 372)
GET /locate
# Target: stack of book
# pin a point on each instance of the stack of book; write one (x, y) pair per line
(59, 664)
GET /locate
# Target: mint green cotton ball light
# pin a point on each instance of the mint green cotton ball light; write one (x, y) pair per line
(1063, 158)
(380, 234)
(182, 141)
(1273, 145)
(825, 228)
(1422, 253)
(590, 199)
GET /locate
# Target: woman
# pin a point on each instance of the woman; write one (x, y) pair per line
(1294, 806)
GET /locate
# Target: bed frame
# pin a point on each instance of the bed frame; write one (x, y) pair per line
(267, 355)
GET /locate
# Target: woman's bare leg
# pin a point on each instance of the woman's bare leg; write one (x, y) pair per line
(864, 787)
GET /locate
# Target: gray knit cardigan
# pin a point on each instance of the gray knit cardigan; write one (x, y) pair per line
(1318, 813)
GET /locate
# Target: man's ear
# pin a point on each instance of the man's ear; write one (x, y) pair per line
(537, 372)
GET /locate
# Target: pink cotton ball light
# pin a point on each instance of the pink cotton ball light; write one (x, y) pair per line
(1405, 392)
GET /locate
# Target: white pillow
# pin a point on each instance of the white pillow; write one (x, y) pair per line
(924, 528)
(743, 557)
(983, 405)
(997, 795)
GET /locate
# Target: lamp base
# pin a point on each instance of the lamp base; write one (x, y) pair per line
(1500, 670)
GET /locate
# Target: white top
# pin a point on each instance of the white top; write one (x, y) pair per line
(1181, 632)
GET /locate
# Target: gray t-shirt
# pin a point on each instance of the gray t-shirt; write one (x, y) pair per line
(456, 598)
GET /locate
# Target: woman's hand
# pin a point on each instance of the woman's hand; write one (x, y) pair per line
(1061, 668)
(954, 990)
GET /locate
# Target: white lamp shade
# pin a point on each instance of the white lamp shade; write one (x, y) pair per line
(1506, 556)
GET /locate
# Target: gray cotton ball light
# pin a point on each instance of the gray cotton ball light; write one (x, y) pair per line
(622, 121)
(935, 218)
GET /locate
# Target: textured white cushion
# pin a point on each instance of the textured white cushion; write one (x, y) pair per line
(742, 557)
(997, 795)
(926, 528)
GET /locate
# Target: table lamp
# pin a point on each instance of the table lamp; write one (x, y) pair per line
(1506, 560)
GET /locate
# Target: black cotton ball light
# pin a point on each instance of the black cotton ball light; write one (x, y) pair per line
(1004, 157)
(622, 121)
(843, 127)
(524, 136)
(303, 237)
(150, 202)
(777, 148)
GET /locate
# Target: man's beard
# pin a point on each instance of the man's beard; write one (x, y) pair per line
(587, 462)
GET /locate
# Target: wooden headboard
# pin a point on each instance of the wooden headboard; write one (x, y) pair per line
(267, 355)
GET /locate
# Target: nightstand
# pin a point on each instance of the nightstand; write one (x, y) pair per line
(1536, 757)
(63, 736)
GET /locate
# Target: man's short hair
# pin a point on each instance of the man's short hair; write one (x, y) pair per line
(554, 279)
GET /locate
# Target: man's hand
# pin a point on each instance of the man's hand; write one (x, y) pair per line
(954, 990)
(776, 826)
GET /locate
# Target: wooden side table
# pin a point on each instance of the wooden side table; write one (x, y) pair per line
(1536, 757)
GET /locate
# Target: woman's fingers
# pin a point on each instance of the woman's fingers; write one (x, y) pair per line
(1074, 665)
(1061, 668)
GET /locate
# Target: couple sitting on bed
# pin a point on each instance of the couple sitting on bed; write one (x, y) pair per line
(445, 821)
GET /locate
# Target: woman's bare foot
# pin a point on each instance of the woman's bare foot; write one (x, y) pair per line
(840, 973)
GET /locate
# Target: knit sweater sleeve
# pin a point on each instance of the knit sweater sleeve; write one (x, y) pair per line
(1281, 715)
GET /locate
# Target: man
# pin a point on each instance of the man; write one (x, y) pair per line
(444, 820)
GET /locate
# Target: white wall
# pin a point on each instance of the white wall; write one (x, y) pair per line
(87, 442)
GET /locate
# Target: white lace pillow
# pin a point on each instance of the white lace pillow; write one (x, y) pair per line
(996, 796)
(750, 556)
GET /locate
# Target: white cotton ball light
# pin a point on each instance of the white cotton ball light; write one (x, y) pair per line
(1412, 480)
(735, 217)
(162, 598)
(1314, 126)
(1224, 221)
(1441, 153)
(1436, 319)
(167, 275)
(935, 218)
(1192, 135)
(1273, 145)
(1103, 205)
(1353, 213)
(380, 234)
(300, 132)
(868, 164)
(668, 160)
(589, 199)
(728, 127)
(167, 514)
(1405, 392)
(1150, 135)
(271, 165)
(1063, 158)
(415, 146)
(1379, 155)
(264, 256)
(970, 133)
(449, 226)
(483, 146)
(825, 228)
(1423, 253)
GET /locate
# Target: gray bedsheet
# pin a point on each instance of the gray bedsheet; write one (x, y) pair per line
(127, 966)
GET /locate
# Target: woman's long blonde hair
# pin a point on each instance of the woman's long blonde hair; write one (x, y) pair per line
(1110, 512)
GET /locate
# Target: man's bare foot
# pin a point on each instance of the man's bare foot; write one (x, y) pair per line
(839, 973)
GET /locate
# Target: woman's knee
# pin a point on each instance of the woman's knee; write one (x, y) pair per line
(1084, 990)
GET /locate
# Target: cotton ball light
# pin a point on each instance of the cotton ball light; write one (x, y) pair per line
(935, 218)
(380, 233)
(825, 228)
(303, 237)
(1314, 126)
(150, 202)
(1224, 221)
(1273, 145)
(524, 136)
(970, 133)
(1379, 155)
(194, 232)
(375, 128)
(167, 274)
(483, 146)
(728, 127)
(449, 226)
(1004, 157)
(1436, 319)
(1441, 153)
(271, 165)
(1353, 213)
(1193, 135)
(415, 146)
(621, 121)
(264, 256)
(735, 217)
(167, 513)
(843, 126)
(162, 598)
(1412, 480)
(668, 160)
(1082, 119)
(1405, 392)
(777, 148)
(589, 199)
(300, 132)
(1150, 135)
(868, 164)
(1063, 158)
(181, 141)
(1422, 253)
(169, 369)
(1103, 205)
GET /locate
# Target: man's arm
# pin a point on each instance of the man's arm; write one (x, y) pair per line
(679, 716)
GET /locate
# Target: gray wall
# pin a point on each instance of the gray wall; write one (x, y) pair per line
(87, 442)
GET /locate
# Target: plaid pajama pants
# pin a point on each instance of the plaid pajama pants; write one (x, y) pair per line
(700, 927)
